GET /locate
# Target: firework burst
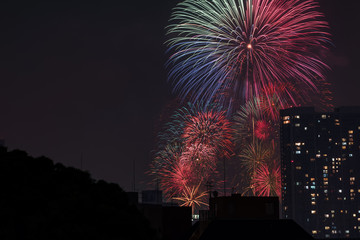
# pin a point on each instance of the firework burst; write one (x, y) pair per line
(262, 129)
(190, 147)
(169, 171)
(192, 196)
(231, 50)
(201, 158)
(267, 182)
(210, 129)
(255, 154)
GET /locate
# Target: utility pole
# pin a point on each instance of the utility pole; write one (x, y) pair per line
(224, 178)
(134, 175)
(209, 186)
(81, 161)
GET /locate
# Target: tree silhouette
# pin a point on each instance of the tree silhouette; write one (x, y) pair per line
(43, 200)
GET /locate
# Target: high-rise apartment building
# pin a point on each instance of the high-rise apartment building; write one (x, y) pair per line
(320, 168)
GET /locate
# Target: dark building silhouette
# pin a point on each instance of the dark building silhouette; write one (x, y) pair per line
(241, 207)
(237, 217)
(171, 221)
(320, 168)
(254, 229)
(151, 196)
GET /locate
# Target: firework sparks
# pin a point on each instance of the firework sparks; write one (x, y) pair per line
(201, 158)
(192, 196)
(231, 50)
(210, 129)
(262, 129)
(266, 182)
(255, 154)
(197, 138)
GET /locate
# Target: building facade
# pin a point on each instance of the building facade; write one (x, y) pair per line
(320, 168)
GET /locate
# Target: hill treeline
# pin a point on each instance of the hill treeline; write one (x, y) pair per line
(43, 200)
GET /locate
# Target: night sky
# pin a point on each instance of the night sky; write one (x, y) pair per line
(86, 80)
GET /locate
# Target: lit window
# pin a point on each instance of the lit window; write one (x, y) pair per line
(286, 118)
(313, 211)
(323, 116)
(351, 131)
(305, 128)
(297, 124)
(298, 152)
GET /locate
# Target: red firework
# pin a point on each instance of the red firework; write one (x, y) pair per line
(262, 129)
(175, 178)
(267, 182)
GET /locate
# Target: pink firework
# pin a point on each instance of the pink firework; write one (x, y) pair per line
(210, 129)
(201, 158)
